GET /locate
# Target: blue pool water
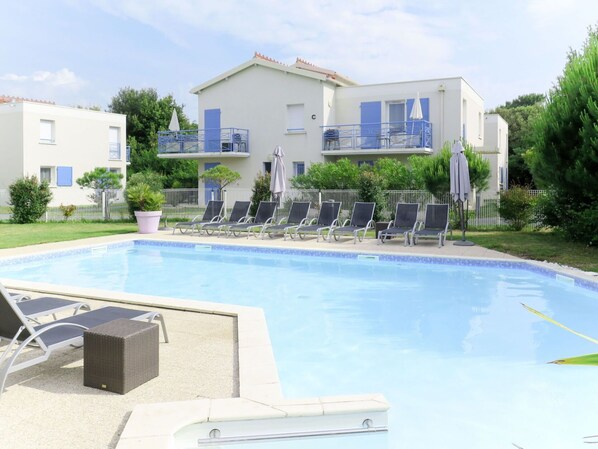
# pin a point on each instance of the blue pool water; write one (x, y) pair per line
(447, 342)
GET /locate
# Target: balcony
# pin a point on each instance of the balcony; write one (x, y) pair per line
(409, 137)
(114, 151)
(204, 143)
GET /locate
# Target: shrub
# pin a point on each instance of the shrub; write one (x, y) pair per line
(516, 207)
(68, 210)
(141, 197)
(28, 199)
(260, 192)
(369, 189)
(153, 180)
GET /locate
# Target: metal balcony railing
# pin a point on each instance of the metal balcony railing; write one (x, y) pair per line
(412, 134)
(114, 151)
(216, 140)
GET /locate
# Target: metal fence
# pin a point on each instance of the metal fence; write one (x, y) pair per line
(482, 210)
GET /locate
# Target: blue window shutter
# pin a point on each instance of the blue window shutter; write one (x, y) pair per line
(425, 102)
(410, 102)
(211, 118)
(64, 176)
(371, 126)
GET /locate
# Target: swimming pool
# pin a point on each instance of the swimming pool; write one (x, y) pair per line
(446, 341)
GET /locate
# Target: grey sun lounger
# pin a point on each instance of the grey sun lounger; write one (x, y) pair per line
(263, 217)
(404, 223)
(287, 226)
(44, 306)
(49, 337)
(360, 222)
(239, 214)
(435, 224)
(212, 214)
(327, 218)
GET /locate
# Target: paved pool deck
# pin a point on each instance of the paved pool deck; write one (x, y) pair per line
(215, 353)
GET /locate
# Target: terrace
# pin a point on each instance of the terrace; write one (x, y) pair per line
(408, 137)
(202, 143)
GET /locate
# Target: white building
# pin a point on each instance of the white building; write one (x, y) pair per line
(496, 150)
(318, 115)
(58, 144)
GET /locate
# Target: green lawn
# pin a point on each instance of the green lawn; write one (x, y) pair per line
(528, 245)
(14, 235)
(538, 245)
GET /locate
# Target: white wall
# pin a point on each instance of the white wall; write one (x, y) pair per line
(496, 149)
(446, 97)
(256, 99)
(11, 144)
(81, 142)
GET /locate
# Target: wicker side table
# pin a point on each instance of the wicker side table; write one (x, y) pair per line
(120, 355)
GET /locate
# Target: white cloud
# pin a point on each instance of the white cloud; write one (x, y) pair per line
(372, 41)
(61, 78)
(13, 77)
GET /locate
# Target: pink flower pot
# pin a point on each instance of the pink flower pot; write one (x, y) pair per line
(148, 222)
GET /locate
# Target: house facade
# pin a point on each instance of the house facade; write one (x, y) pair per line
(318, 115)
(58, 144)
(496, 150)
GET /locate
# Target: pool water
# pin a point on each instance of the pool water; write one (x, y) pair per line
(461, 362)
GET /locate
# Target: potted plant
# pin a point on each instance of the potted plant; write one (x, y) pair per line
(147, 205)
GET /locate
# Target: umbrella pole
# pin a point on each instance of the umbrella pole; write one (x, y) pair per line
(462, 242)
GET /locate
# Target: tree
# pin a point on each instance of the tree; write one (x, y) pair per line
(29, 199)
(565, 155)
(370, 190)
(260, 191)
(222, 175)
(146, 115)
(339, 175)
(393, 174)
(435, 170)
(103, 183)
(521, 114)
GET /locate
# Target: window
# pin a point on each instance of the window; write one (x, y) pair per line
(397, 116)
(113, 170)
(298, 168)
(464, 120)
(267, 167)
(295, 118)
(360, 163)
(480, 125)
(45, 174)
(46, 131)
(114, 143)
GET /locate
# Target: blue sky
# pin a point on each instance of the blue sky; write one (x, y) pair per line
(82, 52)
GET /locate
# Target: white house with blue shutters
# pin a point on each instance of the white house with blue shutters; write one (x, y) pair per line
(318, 115)
(58, 144)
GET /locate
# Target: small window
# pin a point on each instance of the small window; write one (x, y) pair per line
(480, 125)
(360, 163)
(114, 170)
(45, 174)
(298, 168)
(114, 143)
(397, 116)
(267, 167)
(295, 118)
(46, 131)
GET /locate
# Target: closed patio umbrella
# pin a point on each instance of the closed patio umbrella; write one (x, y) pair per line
(278, 182)
(174, 122)
(416, 110)
(460, 185)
